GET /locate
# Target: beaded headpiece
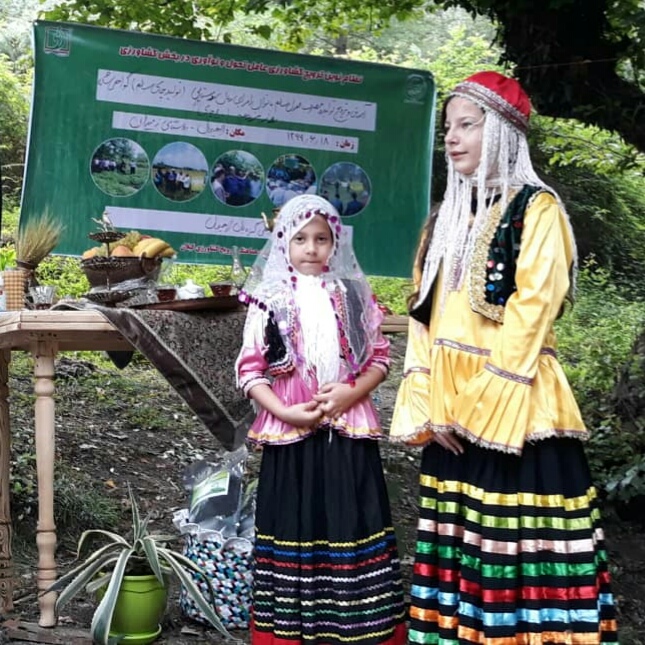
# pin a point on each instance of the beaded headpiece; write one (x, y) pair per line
(494, 91)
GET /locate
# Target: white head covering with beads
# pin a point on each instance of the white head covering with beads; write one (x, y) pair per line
(505, 164)
(310, 304)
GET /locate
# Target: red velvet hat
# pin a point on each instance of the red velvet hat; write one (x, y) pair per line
(494, 91)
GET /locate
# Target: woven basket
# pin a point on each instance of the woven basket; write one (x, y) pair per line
(102, 271)
(230, 573)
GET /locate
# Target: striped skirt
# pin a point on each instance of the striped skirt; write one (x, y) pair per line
(326, 561)
(510, 550)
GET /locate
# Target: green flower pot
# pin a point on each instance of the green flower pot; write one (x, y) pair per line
(140, 605)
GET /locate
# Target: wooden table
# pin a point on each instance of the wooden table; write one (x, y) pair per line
(43, 334)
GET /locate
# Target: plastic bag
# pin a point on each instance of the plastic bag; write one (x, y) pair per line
(216, 493)
(246, 524)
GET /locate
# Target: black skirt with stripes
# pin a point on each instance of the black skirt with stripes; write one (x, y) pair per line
(510, 549)
(326, 561)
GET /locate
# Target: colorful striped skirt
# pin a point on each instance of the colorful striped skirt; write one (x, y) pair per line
(509, 549)
(326, 562)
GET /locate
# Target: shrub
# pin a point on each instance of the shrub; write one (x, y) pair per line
(595, 341)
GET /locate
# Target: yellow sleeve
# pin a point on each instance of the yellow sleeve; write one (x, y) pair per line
(412, 407)
(494, 406)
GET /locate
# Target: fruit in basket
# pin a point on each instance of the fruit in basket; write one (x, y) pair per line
(132, 244)
(90, 253)
(130, 240)
(121, 251)
(152, 247)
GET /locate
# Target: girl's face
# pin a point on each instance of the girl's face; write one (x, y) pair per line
(311, 246)
(464, 129)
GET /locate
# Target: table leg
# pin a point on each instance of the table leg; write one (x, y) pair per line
(44, 354)
(6, 561)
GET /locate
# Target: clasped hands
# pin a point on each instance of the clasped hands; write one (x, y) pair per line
(331, 400)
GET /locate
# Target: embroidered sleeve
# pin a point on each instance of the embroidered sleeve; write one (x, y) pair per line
(412, 407)
(251, 365)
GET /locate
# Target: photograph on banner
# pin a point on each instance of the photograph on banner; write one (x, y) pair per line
(179, 171)
(194, 141)
(347, 186)
(237, 178)
(119, 167)
(288, 176)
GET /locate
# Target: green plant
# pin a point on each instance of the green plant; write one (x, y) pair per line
(7, 256)
(64, 272)
(145, 554)
(37, 238)
(392, 292)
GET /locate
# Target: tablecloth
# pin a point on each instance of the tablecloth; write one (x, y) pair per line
(195, 352)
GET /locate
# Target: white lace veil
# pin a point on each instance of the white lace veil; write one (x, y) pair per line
(505, 165)
(273, 281)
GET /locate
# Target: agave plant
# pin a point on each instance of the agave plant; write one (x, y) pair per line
(146, 553)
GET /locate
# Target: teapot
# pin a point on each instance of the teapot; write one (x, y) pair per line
(190, 290)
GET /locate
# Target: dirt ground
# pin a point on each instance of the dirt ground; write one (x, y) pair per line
(120, 440)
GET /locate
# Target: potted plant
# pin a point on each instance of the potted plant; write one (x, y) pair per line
(36, 239)
(112, 569)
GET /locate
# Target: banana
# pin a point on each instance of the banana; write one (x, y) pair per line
(168, 253)
(146, 241)
(141, 245)
(154, 248)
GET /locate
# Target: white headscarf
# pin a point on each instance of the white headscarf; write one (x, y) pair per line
(335, 312)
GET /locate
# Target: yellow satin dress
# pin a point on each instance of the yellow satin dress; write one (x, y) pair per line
(495, 384)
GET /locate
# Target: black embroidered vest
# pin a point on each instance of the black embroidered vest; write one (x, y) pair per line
(492, 274)
(493, 265)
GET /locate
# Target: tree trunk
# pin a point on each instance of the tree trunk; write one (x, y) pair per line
(567, 63)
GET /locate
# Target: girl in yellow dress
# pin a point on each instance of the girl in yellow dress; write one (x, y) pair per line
(509, 546)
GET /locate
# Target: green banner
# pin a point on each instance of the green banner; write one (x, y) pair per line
(193, 141)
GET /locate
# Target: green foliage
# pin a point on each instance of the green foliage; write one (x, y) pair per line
(595, 340)
(208, 19)
(64, 272)
(570, 143)
(14, 110)
(10, 216)
(80, 502)
(603, 312)
(392, 292)
(16, 18)
(607, 216)
(200, 274)
(7, 256)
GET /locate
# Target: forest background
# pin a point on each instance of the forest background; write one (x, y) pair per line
(595, 160)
